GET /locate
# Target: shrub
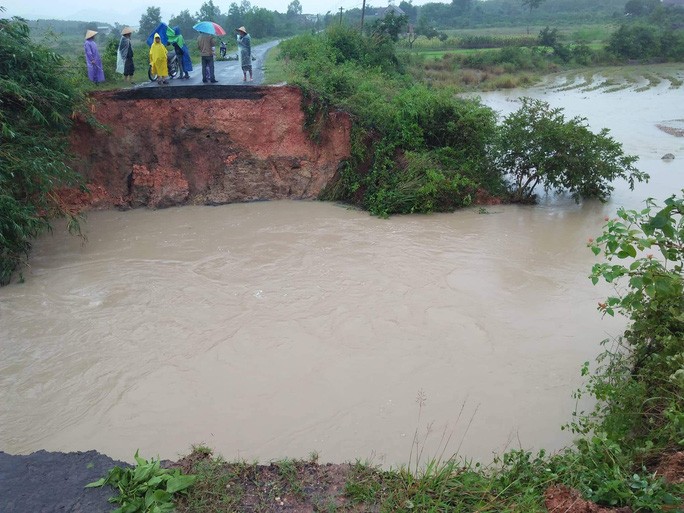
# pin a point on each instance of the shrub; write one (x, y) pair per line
(538, 146)
(37, 99)
(651, 241)
(647, 42)
(639, 384)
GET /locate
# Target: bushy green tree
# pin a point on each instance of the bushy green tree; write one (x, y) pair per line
(149, 21)
(294, 9)
(390, 25)
(261, 22)
(185, 21)
(537, 146)
(208, 11)
(548, 37)
(409, 9)
(646, 42)
(36, 102)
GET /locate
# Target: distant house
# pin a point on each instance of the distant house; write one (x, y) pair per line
(381, 13)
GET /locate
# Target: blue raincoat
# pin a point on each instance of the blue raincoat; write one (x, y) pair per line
(178, 38)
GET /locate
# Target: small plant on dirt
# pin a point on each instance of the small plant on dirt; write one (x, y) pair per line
(202, 449)
(218, 487)
(289, 473)
(145, 488)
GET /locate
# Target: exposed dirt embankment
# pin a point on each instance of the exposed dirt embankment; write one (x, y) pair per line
(203, 145)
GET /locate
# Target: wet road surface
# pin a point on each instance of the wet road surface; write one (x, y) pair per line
(227, 72)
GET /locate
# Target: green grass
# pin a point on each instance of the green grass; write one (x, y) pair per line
(438, 54)
(274, 68)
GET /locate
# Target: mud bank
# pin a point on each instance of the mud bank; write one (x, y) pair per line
(203, 145)
(54, 482)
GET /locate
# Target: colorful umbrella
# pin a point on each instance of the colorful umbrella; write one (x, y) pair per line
(209, 27)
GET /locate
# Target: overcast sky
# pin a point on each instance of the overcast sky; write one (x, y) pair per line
(128, 11)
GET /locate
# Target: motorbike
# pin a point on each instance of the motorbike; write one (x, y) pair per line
(171, 61)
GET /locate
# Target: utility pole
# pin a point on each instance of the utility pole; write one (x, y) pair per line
(363, 13)
(340, 15)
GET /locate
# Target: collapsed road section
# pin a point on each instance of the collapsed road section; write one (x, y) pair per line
(160, 147)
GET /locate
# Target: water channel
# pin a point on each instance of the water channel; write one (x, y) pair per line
(271, 330)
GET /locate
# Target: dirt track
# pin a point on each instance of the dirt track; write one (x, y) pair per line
(46, 482)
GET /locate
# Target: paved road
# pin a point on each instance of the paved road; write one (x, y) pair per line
(227, 72)
(53, 482)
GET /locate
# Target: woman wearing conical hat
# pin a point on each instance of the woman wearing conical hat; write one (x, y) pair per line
(92, 57)
(244, 42)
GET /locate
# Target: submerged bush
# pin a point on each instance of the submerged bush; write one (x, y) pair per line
(538, 146)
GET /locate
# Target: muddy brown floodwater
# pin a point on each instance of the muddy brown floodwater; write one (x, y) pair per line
(271, 330)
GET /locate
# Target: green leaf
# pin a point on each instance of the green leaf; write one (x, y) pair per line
(94, 484)
(138, 459)
(630, 250)
(636, 282)
(162, 496)
(180, 482)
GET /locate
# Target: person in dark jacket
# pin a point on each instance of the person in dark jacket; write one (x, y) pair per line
(206, 44)
(124, 57)
(244, 42)
(182, 52)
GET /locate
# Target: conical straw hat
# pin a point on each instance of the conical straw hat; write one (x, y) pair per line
(127, 30)
(90, 34)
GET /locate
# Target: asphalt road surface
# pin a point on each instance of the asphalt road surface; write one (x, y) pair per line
(54, 482)
(226, 72)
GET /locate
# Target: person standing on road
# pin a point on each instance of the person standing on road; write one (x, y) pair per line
(124, 57)
(160, 66)
(92, 57)
(205, 43)
(245, 52)
(182, 53)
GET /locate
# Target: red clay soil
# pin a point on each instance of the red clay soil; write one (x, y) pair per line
(671, 467)
(203, 145)
(562, 499)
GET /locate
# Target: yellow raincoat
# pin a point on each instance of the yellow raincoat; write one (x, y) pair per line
(158, 58)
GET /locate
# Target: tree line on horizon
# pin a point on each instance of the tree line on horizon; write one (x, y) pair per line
(264, 23)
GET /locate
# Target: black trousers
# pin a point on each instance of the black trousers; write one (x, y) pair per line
(208, 68)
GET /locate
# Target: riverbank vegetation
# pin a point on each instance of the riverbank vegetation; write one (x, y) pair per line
(420, 148)
(37, 100)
